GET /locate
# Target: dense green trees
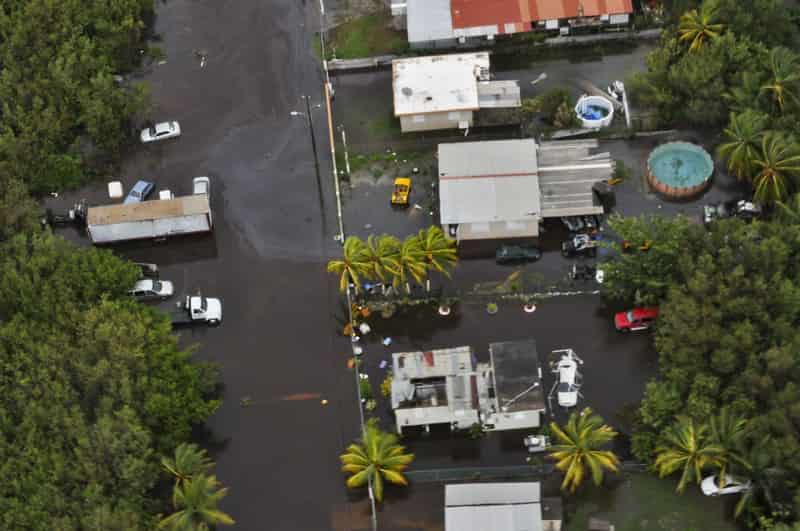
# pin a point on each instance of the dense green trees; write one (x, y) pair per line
(727, 335)
(93, 389)
(62, 107)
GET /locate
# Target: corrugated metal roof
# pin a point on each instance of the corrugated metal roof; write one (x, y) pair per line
(478, 13)
(437, 83)
(428, 20)
(146, 210)
(492, 493)
(493, 507)
(471, 13)
(485, 182)
(494, 518)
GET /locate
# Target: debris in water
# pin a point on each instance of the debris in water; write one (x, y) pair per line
(387, 341)
(383, 364)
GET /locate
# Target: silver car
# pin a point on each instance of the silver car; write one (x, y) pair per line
(152, 289)
(160, 131)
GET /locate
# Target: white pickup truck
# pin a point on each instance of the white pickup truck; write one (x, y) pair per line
(197, 309)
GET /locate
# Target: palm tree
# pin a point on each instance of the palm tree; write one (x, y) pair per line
(784, 76)
(195, 504)
(382, 255)
(776, 166)
(354, 263)
(375, 458)
(764, 476)
(686, 447)
(438, 251)
(789, 211)
(410, 263)
(743, 136)
(578, 448)
(697, 27)
(728, 431)
(188, 461)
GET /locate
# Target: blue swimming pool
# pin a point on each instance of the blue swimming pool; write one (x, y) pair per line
(680, 164)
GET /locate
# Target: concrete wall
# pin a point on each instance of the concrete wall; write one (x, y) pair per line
(433, 121)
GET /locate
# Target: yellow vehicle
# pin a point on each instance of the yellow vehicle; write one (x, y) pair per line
(402, 189)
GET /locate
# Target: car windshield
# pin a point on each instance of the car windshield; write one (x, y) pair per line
(203, 303)
(156, 285)
(629, 315)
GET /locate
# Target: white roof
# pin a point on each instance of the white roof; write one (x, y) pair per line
(487, 182)
(428, 20)
(437, 83)
(493, 507)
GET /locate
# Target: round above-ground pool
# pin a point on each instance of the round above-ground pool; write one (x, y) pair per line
(594, 111)
(679, 169)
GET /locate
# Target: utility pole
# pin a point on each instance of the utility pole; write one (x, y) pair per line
(313, 144)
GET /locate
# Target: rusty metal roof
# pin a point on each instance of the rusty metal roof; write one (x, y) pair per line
(474, 13)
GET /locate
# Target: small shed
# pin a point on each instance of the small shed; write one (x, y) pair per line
(493, 507)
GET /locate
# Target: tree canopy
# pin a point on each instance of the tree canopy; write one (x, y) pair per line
(93, 390)
(726, 335)
(62, 109)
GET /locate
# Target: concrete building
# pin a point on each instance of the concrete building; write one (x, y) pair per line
(448, 23)
(500, 191)
(445, 91)
(499, 507)
(450, 387)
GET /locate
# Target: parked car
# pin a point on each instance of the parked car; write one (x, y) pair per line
(160, 131)
(635, 319)
(151, 289)
(148, 270)
(710, 486)
(401, 192)
(140, 191)
(579, 245)
(740, 208)
(197, 309)
(511, 254)
(201, 185)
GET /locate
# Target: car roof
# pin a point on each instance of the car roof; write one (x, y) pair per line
(144, 284)
(643, 312)
(141, 185)
(163, 125)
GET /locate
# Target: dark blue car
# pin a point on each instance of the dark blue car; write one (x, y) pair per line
(139, 192)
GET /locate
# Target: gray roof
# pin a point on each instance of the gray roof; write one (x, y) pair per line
(493, 507)
(428, 20)
(486, 182)
(516, 370)
(498, 94)
(567, 172)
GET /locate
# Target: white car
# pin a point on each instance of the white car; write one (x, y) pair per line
(161, 131)
(152, 289)
(201, 185)
(710, 486)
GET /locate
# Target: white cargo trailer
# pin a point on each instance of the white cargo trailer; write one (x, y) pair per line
(149, 219)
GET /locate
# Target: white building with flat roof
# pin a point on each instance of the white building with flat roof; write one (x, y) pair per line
(444, 91)
(502, 189)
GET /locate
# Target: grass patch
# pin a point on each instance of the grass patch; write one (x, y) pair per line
(365, 37)
(643, 502)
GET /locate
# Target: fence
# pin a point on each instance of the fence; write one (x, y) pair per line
(449, 475)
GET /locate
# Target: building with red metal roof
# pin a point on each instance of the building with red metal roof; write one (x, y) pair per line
(471, 19)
